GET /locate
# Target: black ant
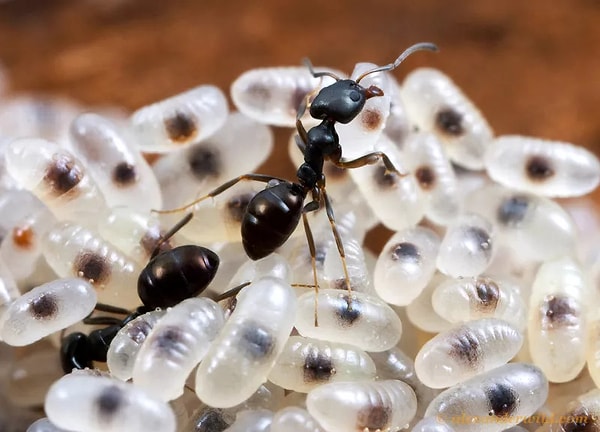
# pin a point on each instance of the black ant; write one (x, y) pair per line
(169, 278)
(273, 214)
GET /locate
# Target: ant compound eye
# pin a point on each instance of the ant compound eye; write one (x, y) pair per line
(354, 95)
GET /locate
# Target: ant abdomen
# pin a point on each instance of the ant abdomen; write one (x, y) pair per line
(271, 217)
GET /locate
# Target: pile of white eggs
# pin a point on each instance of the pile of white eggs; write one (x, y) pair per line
(482, 256)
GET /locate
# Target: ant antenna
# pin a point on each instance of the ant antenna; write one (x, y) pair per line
(309, 65)
(422, 46)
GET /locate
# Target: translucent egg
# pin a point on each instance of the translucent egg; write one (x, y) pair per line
(103, 404)
(432, 424)
(465, 351)
(397, 201)
(549, 168)
(435, 104)
(8, 288)
(381, 405)
(241, 357)
(252, 421)
(40, 116)
(421, 313)
(135, 233)
(333, 270)
(121, 172)
(176, 344)
(558, 322)
(22, 248)
(406, 265)
(219, 219)
(426, 159)
(273, 95)
(125, 346)
(44, 425)
(185, 174)
(45, 309)
(72, 250)
(522, 222)
(273, 265)
(498, 399)
(54, 175)
(358, 137)
(306, 363)
(467, 299)
(467, 247)
(180, 120)
(397, 126)
(294, 419)
(394, 364)
(583, 413)
(358, 319)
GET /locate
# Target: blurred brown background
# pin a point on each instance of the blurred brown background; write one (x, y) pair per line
(531, 66)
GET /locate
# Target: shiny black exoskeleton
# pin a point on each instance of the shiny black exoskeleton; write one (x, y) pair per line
(175, 275)
(169, 278)
(79, 351)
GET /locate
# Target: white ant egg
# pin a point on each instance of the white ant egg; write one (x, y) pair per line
(180, 120)
(499, 398)
(468, 299)
(406, 265)
(421, 313)
(467, 247)
(435, 104)
(208, 164)
(22, 249)
(542, 167)
(73, 250)
(126, 345)
(397, 201)
(467, 350)
(46, 309)
(397, 126)
(394, 364)
(176, 344)
(358, 319)
(432, 424)
(522, 222)
(427, 161)
(294, 419)
(306, 363)
(103, 404)
(44, 425)
(558, 309)
(241, 357)
(121, 172)
(252, 421)
(54, 175)
(273, 95)
(348, 406)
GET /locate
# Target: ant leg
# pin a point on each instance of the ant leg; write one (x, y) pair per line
(369, 159)
(102, 321)
(102, 307)
(232, 292)
(217, 191)
(336, 235)
(312, 206)
(302, 137)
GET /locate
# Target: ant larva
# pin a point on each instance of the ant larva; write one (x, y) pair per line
(273, 214)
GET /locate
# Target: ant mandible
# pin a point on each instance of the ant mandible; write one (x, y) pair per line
(273, 214)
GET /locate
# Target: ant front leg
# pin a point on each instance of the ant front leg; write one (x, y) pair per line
(215, 192)
(369, 159)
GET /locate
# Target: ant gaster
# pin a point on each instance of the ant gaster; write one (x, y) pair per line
(273, 214)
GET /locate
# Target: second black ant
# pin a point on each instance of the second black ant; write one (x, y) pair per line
(273, 214)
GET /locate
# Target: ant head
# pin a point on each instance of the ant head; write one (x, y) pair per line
(342, 101)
